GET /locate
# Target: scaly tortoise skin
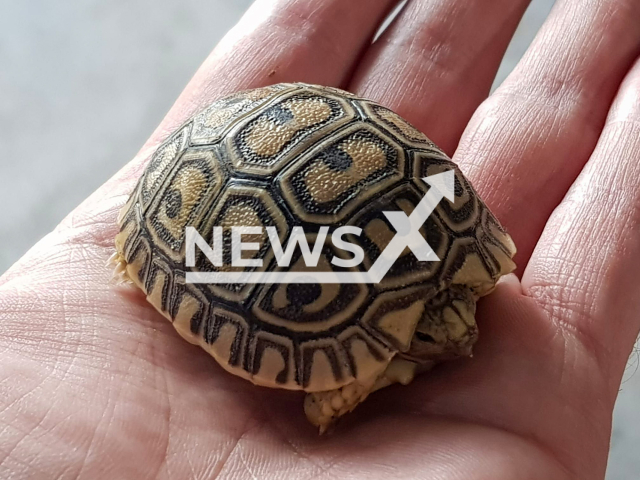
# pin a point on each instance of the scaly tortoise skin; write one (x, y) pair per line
(299, 154)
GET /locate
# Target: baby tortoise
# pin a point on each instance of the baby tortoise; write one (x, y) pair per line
(305, 155)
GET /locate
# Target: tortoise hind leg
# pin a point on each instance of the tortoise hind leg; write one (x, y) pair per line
(119, 264)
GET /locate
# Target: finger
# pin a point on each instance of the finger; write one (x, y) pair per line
(526, 144)
(584, 268)
(275, 41)
(282, 41)
(437, 62)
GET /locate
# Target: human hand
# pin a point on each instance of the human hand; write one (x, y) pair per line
(95, 383)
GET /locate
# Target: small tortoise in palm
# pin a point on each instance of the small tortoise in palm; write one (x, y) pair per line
(292, 155)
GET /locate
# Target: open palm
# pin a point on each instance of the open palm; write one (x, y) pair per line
(95, 383)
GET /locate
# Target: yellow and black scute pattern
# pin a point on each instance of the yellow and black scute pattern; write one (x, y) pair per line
(341, 173)
(266, 141)
(291, 155)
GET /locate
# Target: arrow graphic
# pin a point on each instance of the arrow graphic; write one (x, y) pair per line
(408, 228)
(407, 236)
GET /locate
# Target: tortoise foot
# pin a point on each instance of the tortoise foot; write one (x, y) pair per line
(119, 265)
(324, 408)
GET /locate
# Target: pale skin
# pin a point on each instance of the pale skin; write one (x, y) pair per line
(95, 383)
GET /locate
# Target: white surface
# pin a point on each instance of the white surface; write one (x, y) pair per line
(83, 84)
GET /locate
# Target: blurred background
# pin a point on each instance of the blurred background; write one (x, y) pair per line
(83, 84)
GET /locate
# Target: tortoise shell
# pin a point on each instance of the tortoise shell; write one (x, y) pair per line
(292, 155)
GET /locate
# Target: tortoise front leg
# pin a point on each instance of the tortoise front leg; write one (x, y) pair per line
(324, 408)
